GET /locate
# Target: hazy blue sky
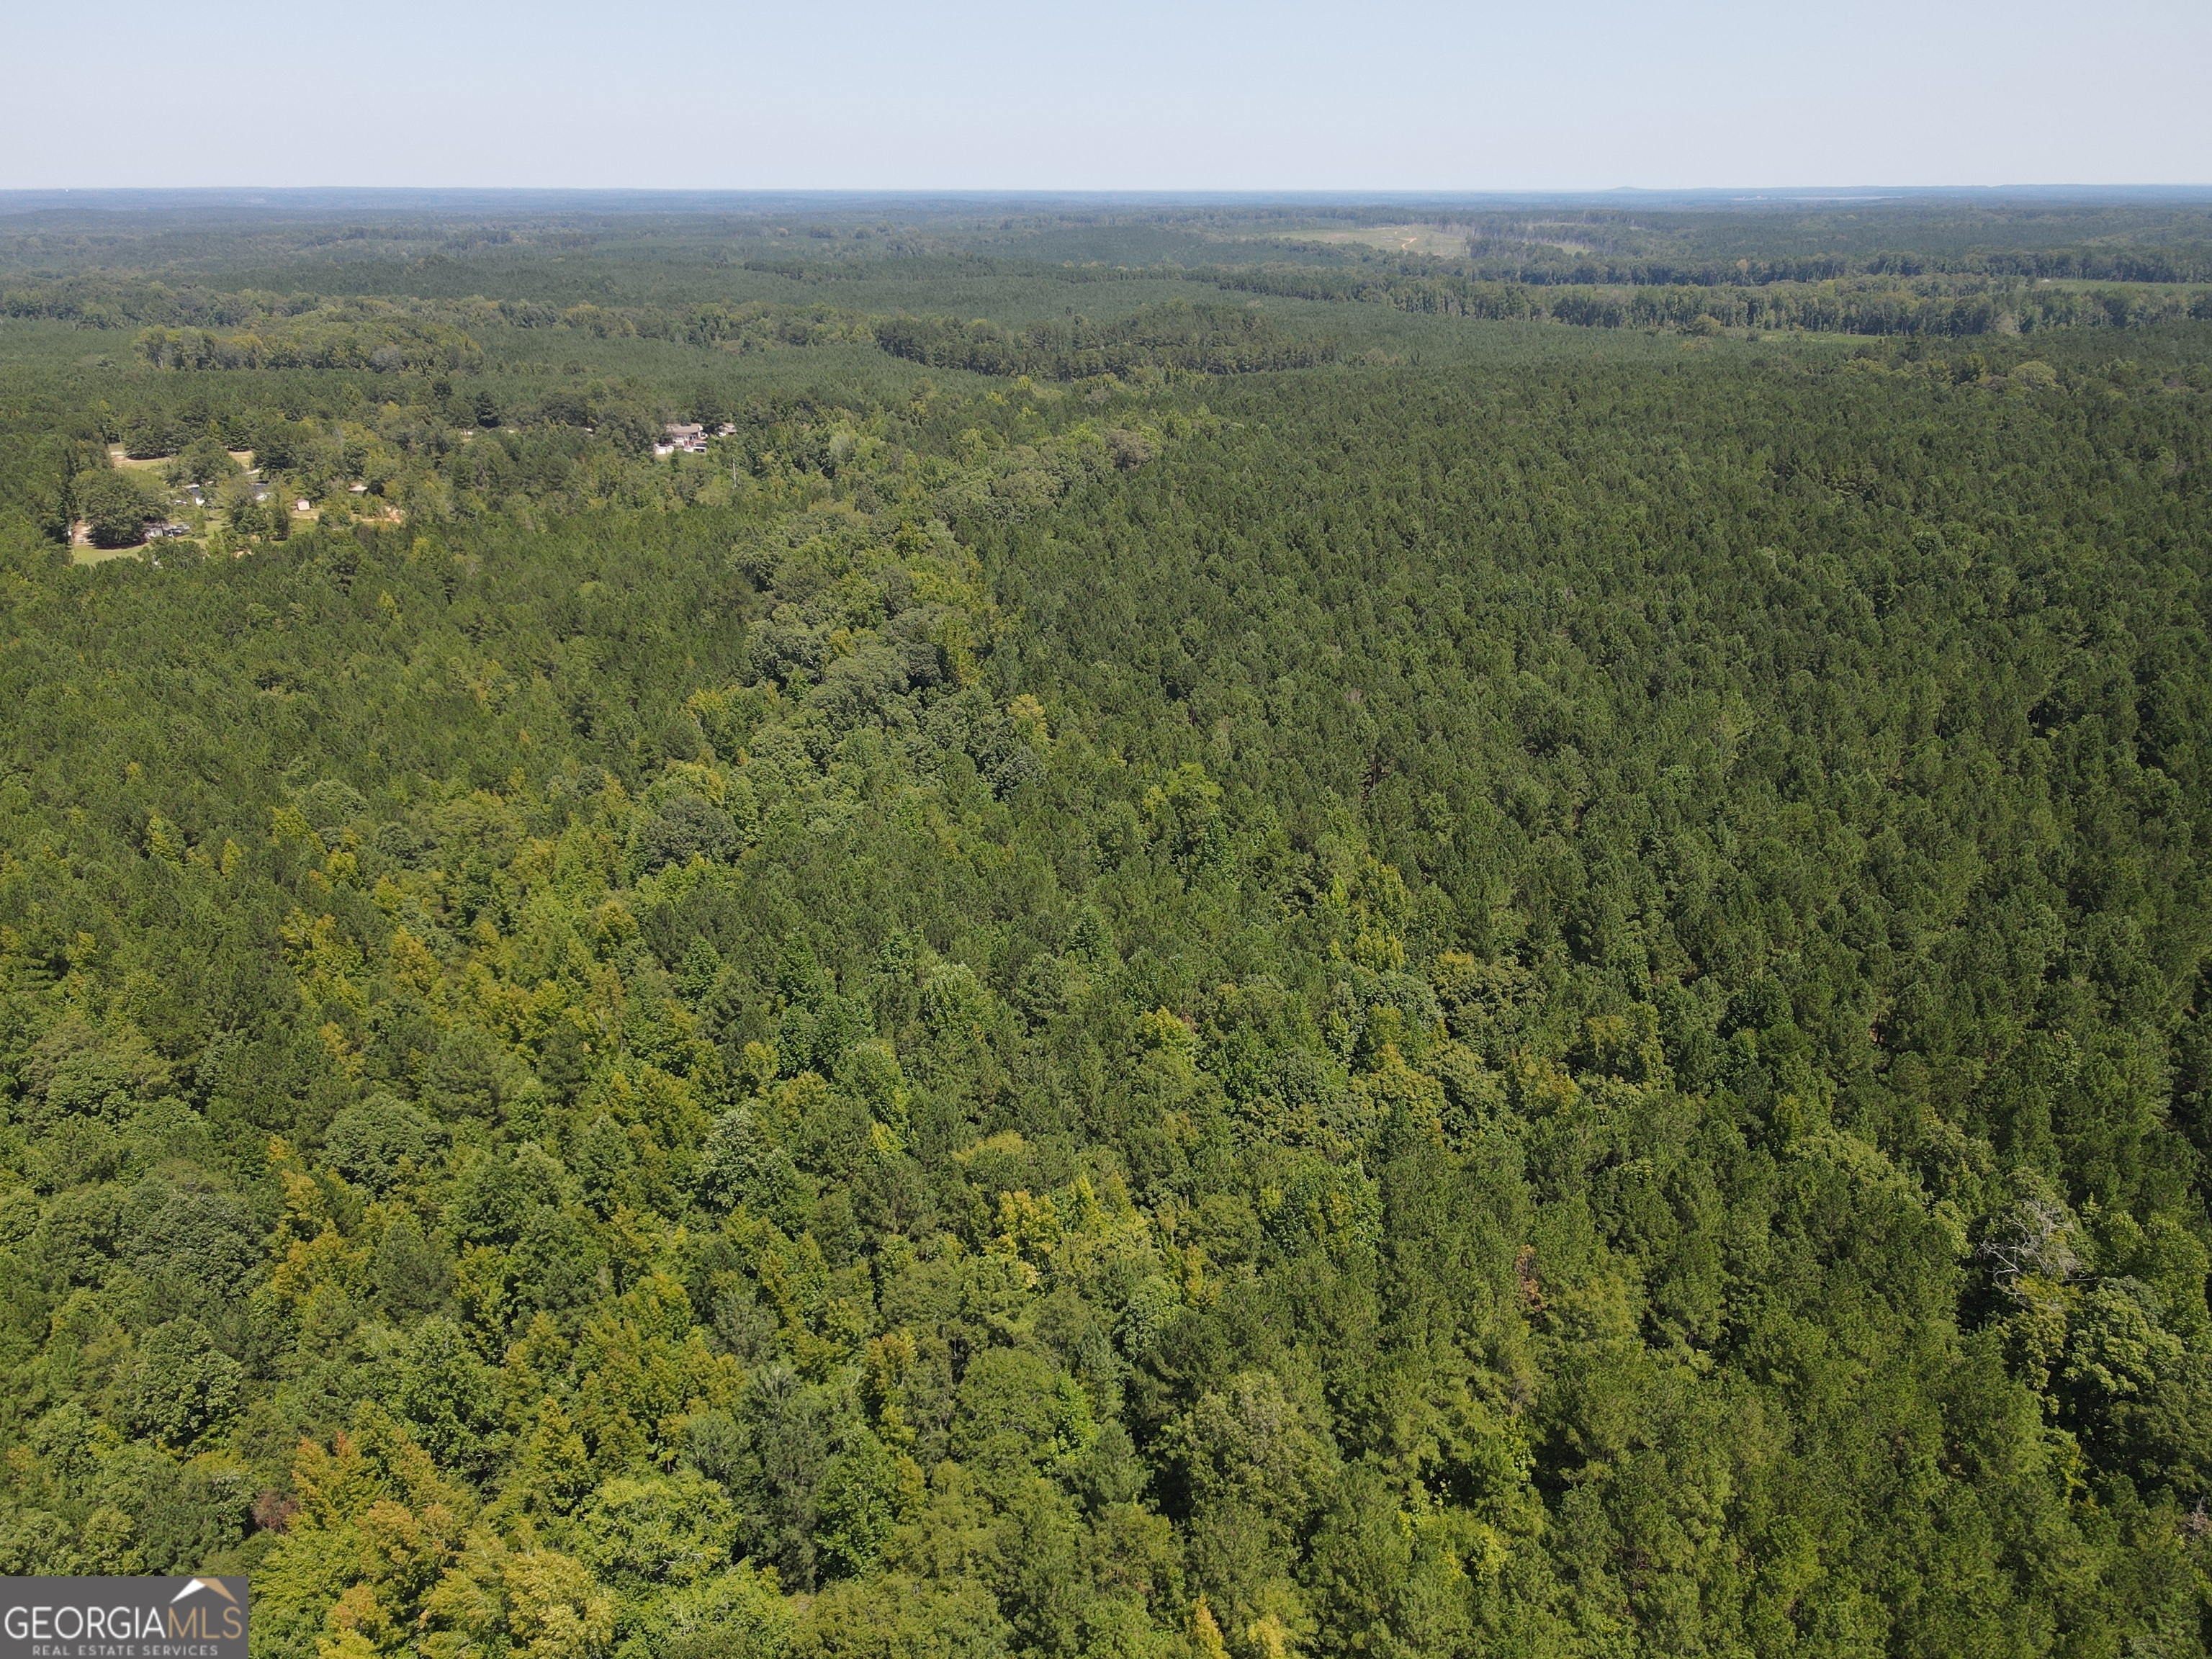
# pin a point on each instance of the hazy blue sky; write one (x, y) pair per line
(1117, 93)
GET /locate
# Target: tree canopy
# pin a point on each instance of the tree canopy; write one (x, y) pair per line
(1369, 981)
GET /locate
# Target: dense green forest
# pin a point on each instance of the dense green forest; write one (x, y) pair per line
(1166, 954)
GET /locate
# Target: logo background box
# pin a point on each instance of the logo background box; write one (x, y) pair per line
(202, 1618)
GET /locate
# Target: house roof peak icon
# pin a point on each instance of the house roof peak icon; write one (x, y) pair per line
(215, 1584)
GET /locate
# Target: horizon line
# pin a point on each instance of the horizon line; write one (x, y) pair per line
(256, 193)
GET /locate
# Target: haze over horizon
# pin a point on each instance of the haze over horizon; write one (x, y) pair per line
(980, 95)
(321, 196)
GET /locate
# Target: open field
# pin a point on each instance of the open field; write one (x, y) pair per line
(1438, 242)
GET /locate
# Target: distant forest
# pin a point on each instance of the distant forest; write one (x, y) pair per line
(1212, 932)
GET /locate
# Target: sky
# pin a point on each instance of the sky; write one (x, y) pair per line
(1113, 94)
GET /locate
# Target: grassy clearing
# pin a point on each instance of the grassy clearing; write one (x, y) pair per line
(1439, 241)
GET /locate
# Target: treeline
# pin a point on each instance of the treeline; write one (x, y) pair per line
(100, 299)
(1175, 336)
(1864, 307)
(2113, 239)
(384, 343)
(198, 327)
(433, 337)
(1522, 259)
(256, 329)
(419, 341)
